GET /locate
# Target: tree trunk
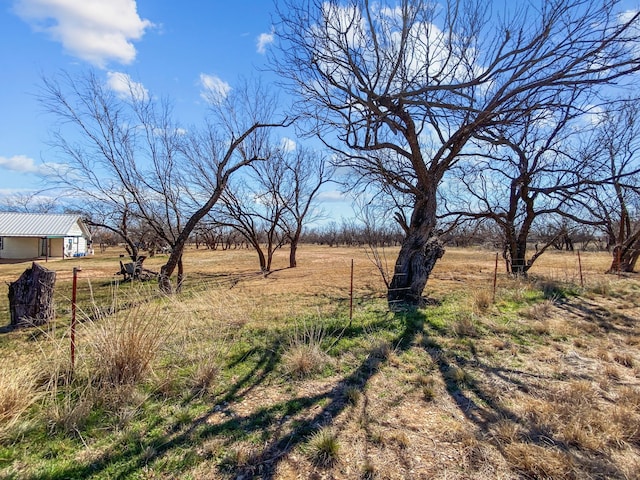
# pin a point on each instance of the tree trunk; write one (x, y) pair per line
(180, 275)
(415, 262)
(31, 297)
(519, 265)
(624, 259)
(292, 255)
(295, 239)
(261, 259)
(420, 250)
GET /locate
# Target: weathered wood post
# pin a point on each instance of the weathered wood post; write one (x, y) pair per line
(31, 297)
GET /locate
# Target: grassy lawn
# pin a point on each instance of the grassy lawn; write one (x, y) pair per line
(250, 376)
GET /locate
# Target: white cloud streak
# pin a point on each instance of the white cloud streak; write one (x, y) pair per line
(24, 164)
(214, 89)
(96, 31)
(18, 163)
(287, 144)
(125, 87)
(264, 39)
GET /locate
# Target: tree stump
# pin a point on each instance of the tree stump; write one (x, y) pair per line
(31, 297)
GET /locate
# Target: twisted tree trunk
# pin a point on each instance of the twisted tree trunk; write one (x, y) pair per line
(419, 253)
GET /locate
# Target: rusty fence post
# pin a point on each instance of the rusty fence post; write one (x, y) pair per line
(73, 316)
(495, 278)
(580, 270)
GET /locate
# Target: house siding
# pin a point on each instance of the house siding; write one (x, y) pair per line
(16, 247)
(23, 236)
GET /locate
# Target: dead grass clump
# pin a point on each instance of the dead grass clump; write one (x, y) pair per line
(205, 375)
(457, 375)
(70, 410)
(600, 287)
(464, 326)
(353, 395)
(603, 354)
(482, 300)
(428, 385)
(401, 439)
(304, 356)
(612, 372)
(630, 397)
(123, 346)
(540, 311)
(534, 461)
(382, 349)
(505, 431)
(323, 447)
(17, 393)
(624, 359)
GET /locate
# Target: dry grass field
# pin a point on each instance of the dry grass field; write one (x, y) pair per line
(249, 376)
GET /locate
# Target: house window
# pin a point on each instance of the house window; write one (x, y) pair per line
(1, 243)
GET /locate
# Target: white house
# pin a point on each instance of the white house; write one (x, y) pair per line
(34, 235)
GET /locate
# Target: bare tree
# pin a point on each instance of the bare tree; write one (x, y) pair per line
(29, 202)
(306, 171)
(522, 176)
(127, 152)
(404, 86)
(256, 213)
(614, 201)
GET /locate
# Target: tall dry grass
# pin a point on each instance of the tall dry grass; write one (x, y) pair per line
(17, 393)
(304, 355)
(122, 347)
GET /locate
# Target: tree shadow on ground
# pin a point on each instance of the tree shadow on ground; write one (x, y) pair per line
(284, 433)
(288, 424)
(485, 407)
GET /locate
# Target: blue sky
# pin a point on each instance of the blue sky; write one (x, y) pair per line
(171, 48)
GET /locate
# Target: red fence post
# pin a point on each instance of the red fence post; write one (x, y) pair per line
(73, 316)
(495, 278)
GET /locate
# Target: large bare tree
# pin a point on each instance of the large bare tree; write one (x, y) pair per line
(124, 150)
(400, 88)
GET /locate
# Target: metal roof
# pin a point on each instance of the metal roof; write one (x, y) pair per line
(40, 225)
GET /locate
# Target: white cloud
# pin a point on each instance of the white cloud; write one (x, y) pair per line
(332, 196)
(264, 39)
(214, 89)
(24, 164)
(125, 87)
(287, 144)
(97, 31)
(18, 163)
